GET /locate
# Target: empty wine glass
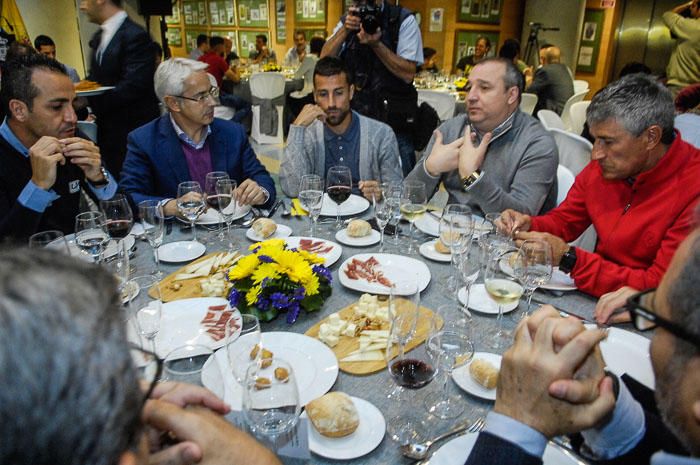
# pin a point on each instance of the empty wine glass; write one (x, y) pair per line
(153, 222)
(391, 191)
(270, 398)
(413, 205)
(190, 202)
(213, 197)
(243, 344)
(90, 234)
(311, 198)
(184, 364)
(339, 187)
(146, 306)
(53, 239)
(383, 212)
(456, 229)
(227, 204)
(532, 265)
(504, 290)
(469, 265)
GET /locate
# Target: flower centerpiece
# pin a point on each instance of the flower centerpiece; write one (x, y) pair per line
(274, 279)
(272, 68)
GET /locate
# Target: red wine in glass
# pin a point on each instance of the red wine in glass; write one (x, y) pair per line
(412, 373)
(118, 229)
(339, 194)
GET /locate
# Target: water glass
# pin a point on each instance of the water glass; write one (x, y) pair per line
(212, 196)
(413, 205)
(190, 202)
(383, 213)
(144, 300)
(90, 234)
(184, 364)
(153, 222)
(227, 205)
(532, 265)
(311, 198)
(52, 239)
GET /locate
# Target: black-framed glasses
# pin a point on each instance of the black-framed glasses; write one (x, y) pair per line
(149, 366)
(644, 318)
(213, 92)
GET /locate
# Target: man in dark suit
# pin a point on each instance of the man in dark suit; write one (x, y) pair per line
(120, 57)
(188, 142)
(552, 383)
(553, 83)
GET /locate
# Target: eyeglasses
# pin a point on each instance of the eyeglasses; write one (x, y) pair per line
(150, 368)
(645, 319)
(213, 92)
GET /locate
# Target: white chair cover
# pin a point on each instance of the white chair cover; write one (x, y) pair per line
(528, 102)
(443, 102)
(565, 113)
(574, 151)
(580, 85)
(577, 114)
(266, 87)
(565, 179)
(550, 120)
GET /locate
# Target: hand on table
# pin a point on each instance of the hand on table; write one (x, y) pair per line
(612, 301)
(511, 222)
(559, 245)
(250, 193)
(370, 189)
(44, 156)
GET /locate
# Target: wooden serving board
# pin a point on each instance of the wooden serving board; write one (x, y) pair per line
(348, 344)
(190, 287)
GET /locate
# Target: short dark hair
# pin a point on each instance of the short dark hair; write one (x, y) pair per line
(42, 40)
(262, 37)
(331, 66)
(510, 49)
(202, 39)
(485, 39)
(634, 67)
(316, 45)
(18, 49)
(215, 41)
(428, 52)
(299, 32)
(17, 78)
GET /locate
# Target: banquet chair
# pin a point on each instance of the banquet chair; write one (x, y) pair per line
(267, 91)
(528, 102)
(565, 179)
(574, 151)
(580, 85)
(89, 128)
(443, 102)
(577, 115)
(550, 120)
(565, 113)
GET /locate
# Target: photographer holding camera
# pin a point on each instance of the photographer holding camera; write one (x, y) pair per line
(381, 46)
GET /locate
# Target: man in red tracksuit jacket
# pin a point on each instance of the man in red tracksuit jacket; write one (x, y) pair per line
(639, 192)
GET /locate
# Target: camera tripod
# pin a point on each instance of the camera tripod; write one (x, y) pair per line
(533, 44)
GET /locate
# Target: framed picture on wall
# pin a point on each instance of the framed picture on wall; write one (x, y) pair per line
(311, 11)
(479, 11)
(281, 15)
(175, 18)
(589, 48)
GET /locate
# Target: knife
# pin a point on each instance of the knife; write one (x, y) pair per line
(274, 209)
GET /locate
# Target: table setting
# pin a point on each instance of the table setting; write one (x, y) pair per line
(335, 314)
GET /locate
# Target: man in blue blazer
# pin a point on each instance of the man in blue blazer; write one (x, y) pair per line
(188, 142)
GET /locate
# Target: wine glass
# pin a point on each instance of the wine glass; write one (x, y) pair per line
(469, 265)
(245, 329)
(339, 187)
(184, 364)
(52, 239)
(146, 305)
(226, 193)
(456, 228)
(90, 234)
(190, 202)
(504, 290)
(311, 198)
(449, 347)
(533, 266)
(383, 212)
(413, 205)
(391, 191)
(213, 197)
(119, 220)
(153, 222)
(270, 397)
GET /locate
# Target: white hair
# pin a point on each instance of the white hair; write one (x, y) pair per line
(171, 74)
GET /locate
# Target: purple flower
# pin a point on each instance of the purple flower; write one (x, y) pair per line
(263, 303)
(293, 312)
(279, 300)
(234, 297)
(299, 293)
(265, 259)
(324, 272)
(255, 250)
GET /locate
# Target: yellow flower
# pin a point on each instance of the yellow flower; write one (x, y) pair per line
(312, 285)
(244, 267)
(266, 270)
(312, 257)
(251, 296)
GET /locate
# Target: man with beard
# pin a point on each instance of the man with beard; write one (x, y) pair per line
(329, 133)
(552, 382)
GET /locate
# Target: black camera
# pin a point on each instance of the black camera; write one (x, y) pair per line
(369, 17)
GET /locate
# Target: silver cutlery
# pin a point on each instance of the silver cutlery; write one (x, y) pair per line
(420, 451)
(285, 210)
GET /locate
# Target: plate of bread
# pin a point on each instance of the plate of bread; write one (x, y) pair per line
(435, 250)
(343, 427)
(265, 228)
(87, 88)
(480, 376)
(354, 205)
(358, 233)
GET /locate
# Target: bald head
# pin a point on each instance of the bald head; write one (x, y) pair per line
(550, 55)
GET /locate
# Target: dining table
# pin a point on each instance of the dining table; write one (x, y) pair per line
(375, 387)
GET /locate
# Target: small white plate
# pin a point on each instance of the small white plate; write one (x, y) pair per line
(465, 381)
(212, 216)
(90, 93)
(331, 256)
(372, 238)
(180, 251)
(480, 301)
(354, 205)
(560, 281)
(281, 232)
(394, 267)
(363, 440)
(110, 250)
(430, 225)
(427, 249)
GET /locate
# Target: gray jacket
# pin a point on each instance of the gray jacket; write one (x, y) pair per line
(305, 153)
(519, 171)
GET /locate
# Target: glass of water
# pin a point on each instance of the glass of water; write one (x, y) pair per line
(90, 234)
(190, 202)
(311, 198)
(184, 364)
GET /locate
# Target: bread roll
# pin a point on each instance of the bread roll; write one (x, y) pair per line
(359, 228)
(264, 227)
(440, 247)
(333, 415)
(484, 373)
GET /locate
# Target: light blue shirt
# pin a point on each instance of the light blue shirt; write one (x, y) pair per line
(689, 126)
(34, 197)
(187, 139)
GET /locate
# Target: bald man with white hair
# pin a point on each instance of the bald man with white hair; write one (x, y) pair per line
(553, 83)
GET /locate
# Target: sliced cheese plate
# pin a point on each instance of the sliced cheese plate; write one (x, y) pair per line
(186, 282)
(368, 359)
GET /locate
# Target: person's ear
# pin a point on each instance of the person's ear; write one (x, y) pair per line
(512, 95)
(352, 90)
(172, 103)
(19, 110)
(653, 136)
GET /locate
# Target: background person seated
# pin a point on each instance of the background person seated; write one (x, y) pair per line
(481, 50)
(46, 46)
(553, 83)
(295, 55)
(188, 142)
(262, 53)
(329, 133)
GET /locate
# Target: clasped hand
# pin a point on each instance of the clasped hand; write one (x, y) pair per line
(48, 152)
(462, 154)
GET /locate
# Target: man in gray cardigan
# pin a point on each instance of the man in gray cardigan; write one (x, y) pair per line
(329, 133)
(495, 155)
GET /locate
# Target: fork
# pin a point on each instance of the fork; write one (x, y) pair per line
(475, 427)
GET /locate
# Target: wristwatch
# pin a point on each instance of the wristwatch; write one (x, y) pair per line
(469, 181)
(568, 260)
(102, 182)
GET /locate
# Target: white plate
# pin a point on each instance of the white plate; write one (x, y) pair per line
(431, 225)
(180, 251)
(560, 281)
(456, 451)
(427, 249)
(480, 301)
(282, 231)
(110, 250)
(331, 257)
(212, 216)
(363, 440)
(465, 381)
(354, 205)
(180, 325)
(394, 267)
(90, 93)
(628, 352)
(315, 365)
(372, 238)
